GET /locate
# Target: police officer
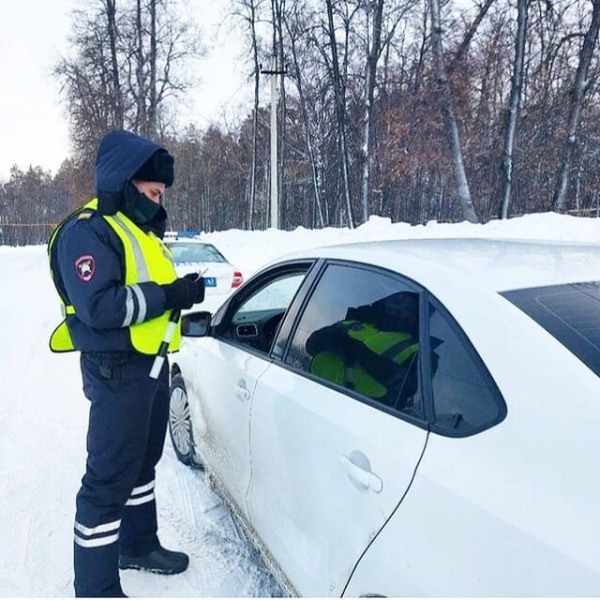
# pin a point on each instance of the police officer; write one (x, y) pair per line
(118, 288)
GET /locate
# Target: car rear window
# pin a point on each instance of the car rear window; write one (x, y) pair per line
(571, 313)
(188, 253)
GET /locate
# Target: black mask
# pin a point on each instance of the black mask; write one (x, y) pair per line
(158, 224)
(146, 214)
(137, 206)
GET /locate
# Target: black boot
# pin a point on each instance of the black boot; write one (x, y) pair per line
(161, 561)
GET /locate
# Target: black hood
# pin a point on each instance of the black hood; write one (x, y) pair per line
(120, 155)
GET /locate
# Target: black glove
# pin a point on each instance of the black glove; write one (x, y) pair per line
(184, 292)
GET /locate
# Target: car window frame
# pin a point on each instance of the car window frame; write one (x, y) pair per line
(428, 422)
(223, 317)
(480, 365)
(405, 281)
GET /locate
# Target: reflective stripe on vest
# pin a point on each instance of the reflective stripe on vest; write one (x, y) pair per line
(146, 259)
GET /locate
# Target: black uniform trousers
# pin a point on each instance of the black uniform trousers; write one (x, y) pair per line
(116, 509)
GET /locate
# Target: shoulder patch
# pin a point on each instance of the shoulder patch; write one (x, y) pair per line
(84, 215)
(85, 267)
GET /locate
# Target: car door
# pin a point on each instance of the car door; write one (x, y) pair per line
(453, 531)
(228, 367)
(329, 464)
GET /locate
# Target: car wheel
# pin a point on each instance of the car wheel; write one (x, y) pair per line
(180, 424)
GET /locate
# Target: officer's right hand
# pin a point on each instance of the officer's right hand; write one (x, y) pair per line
(184, 292)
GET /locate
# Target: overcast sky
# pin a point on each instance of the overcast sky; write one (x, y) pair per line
(33, 34)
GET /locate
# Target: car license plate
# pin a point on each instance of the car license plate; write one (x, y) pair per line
(210, 282)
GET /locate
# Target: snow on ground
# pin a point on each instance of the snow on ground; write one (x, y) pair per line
(43, 419)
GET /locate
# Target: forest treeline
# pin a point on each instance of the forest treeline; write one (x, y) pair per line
(408, 109)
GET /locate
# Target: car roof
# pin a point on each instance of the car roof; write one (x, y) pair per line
(497, 264)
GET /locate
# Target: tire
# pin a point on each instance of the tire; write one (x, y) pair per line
(180, 423)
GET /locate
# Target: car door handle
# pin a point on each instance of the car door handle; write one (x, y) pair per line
(364, 478)
(242, 392)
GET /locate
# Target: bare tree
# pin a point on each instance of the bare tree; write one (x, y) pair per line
(154, 93)
(514, 104)
(294, 31)
(87, 83)
(113, 34)
(411, 169)
(451, 122)
(140, 95)
(575, 105)
(125, 67)
(373, 54)
(468, 37)
(249, 11)
(379, 38)
(340, 110)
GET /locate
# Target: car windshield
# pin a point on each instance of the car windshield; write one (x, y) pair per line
(571, 313)
(190, 252)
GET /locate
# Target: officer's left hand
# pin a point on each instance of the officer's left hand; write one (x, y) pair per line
(199, 280)
(184, 292)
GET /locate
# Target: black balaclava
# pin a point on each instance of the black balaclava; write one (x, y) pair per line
(122, 157)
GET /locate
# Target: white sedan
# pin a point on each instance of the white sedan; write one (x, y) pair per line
(467, 463)
(193, 255)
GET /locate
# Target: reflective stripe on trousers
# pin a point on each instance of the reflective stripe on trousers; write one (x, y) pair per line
(116, 508)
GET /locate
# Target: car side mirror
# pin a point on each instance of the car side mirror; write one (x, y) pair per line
(196, 324)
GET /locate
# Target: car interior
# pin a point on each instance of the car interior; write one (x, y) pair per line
(255, 328)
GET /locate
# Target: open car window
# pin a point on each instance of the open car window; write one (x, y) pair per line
(255, 321)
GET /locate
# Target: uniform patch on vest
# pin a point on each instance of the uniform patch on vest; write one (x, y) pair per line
(85, 266)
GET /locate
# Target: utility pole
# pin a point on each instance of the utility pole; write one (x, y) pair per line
(274, 139)
(277, 68)
(274, 71)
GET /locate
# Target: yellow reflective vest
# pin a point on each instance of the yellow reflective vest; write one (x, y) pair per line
(397, 346)
(146, 259)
